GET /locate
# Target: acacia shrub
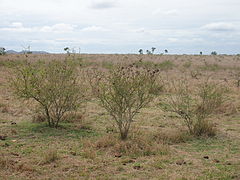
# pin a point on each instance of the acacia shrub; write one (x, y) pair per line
(196, 107)
(123, 91)
(53, 85)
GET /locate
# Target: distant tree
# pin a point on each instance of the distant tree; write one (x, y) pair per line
(200, 52)
(140, 51)
(2, 51)
(67, 49)
(148, 52)
(153, 49)
(214, 53)
(166, 51)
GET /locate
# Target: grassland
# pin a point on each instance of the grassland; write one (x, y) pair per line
(89, 147)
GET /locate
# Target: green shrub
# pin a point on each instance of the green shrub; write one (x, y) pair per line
(123, 92)
(194, 109)
(54, 86)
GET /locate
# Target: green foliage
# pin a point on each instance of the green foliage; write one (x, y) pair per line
(194, 109)
(123, 92)
(67, 49)
(54, 86)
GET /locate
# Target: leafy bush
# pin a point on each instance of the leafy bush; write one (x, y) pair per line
(194, 109)
(54, 86)
(123, 92)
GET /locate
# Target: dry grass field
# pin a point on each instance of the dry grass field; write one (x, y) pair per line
(89, 147)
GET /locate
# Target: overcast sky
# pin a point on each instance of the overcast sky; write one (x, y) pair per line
(121, 26)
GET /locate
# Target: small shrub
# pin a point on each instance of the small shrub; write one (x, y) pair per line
(194, 109)
(123, 92)
(54, 86)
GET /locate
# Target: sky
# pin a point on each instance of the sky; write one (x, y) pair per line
(121, 26)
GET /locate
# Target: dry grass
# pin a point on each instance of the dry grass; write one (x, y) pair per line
(88, 147)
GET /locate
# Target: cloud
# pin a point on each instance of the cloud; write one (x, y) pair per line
(94, 28)
(139, 30)
(219, 26)
(173, 39)
(16, 27)
(59, 28)
(103, 4)
(171, 12)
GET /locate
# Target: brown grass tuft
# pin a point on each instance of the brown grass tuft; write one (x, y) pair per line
(49, 156)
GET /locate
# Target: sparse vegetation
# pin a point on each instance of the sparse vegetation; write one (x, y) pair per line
(86, 144)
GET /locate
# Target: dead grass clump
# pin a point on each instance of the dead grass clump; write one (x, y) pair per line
(49, 156)
(4, 108)
(89, 153)
(38, 118)
(172, 137)
(23, 167)
(205, 128)
(76, 117)
(141, 145)
(6, 162)
(228, 108)
(106, 142)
